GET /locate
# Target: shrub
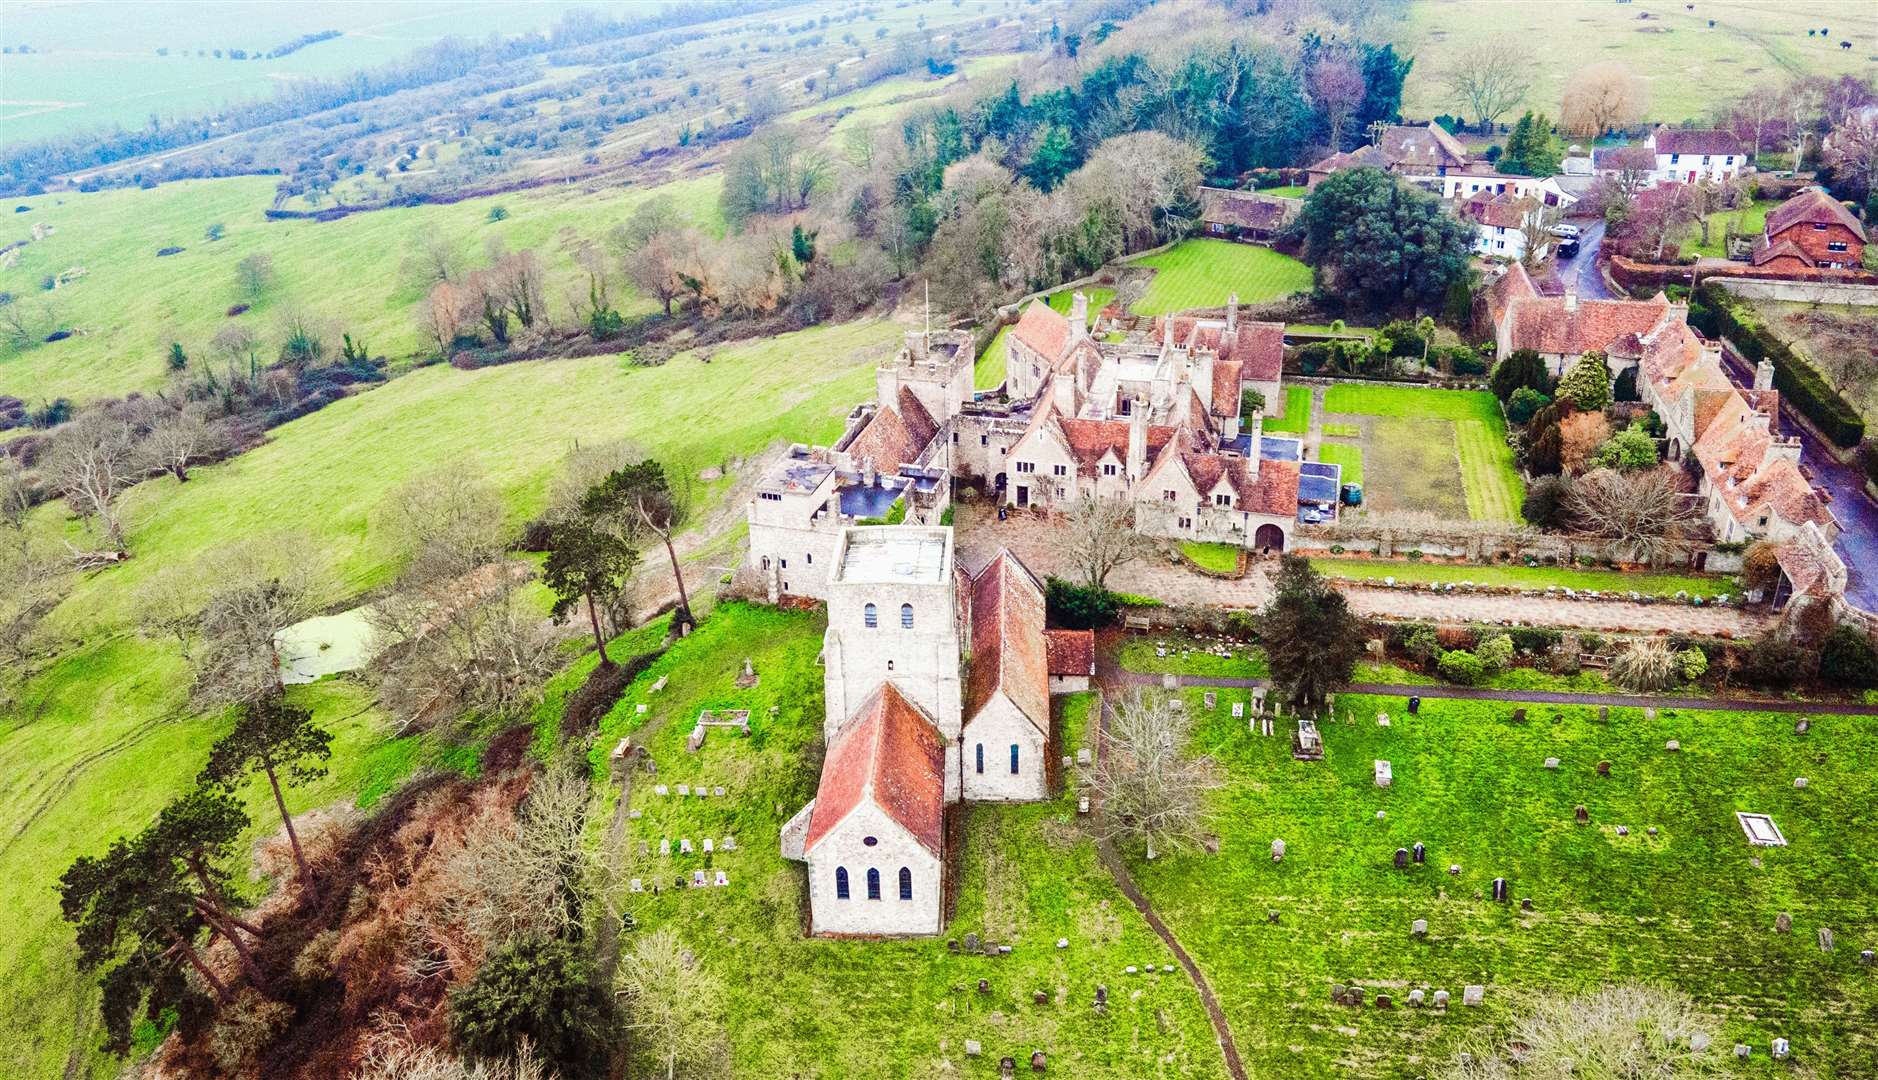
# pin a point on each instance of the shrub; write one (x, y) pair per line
(1847, 659)
(1626, 388)
(1522, 369)
(1495, 653)
(1694, 663)
(1461, 666)
(1760, 567)
(1465, 361)
(1546, 504)
(1422, 643)
(1525, 404)
(244, 1027)
(1644, 664)
(1456, 637)
(497, 213)
(1587, 384)
(1534, 639)
(539, 989)
(1627, 451)
(1078, 607)
(1775, 662)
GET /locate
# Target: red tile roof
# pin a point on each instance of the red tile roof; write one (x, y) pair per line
(1043, 330)
(1245, 209)
(891, 753)
(1008, 652)
(919, 422)
(1809, 207)
(1273, 491)
(1072, 652)
(1500, 211)
(1090, 440)
(1421, 146)
(1765, 252)
(1260, 350)
(897, 435)
(1226, 383)
(1546, 326)
(1706, 141)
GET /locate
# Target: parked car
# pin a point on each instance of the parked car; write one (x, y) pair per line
(1569, 232)
(1567, 248)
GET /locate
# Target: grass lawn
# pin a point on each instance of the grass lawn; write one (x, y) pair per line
(1685, 64)
(1100, 296)
(1343, 431)
(1529, 577)
(802, 1007)
(1203, 273)
(1692, 907)
(1749, 219)
(1324, 328)
(326, 474)
(1406, 449)
(1219, 558)
(1175, 653)
(1288, 191)
(350, 273)
(1350, 457)
(1297, 416)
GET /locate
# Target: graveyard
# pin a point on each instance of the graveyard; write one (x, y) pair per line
(1659, 884)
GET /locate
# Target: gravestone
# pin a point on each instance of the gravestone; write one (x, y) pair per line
(1238, 710)
(1650, 715)
(1454, 869)
(1805, 725)
(1271, 916)
(1278, 851)
(1212, 700)
(707, 845)
(971, 942)
(717, 792)
(1473, 994)
(1082, 804)
(984, 986)
(665, 847)
(1551, 763)
(697, 879)
(1623, 830)
(1418, 853)
(693, 741)
(1783, 923)
(1441, 999)
(952, 944)
(636, 885)
(1384, 774)
(1418, 928)
(1672, 746)
(748, 677)
(1401, 858)
(1307, 743)
(1083, 756)
(1102, 995)
(1499, 890)
(636, 814)
(1067, 762)
(1355, 996)
(1604, 768)
(1799, 781)
(1781, 1049)
(660, 685)
(1036, 1061)
(1525, 903)
(1519, 716)
(684, 846)
(1007, 1068)
(1580, 814)
(1039, 997)
(1825, 939)
(1131, 970)
(722, 878)
(1383, 1001)
(730, 843)
(1415, 998)
(661, 790)
(1867, 957)
(1743, 1050)
(1382, 719)
(684, 790)
(1604, 713)
(972, 1049)
(1699, 1041)
(1414, 705)
(1062, 943)
(1337, 992)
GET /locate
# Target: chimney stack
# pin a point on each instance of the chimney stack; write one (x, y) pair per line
(1078, 316)
(1764, 375)
(1571, 299)
(1137, 440)
(1232, 313)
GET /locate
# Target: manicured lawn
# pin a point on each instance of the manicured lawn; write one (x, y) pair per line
(350, 273)
(1174, 653)
(1323, 328)
(1692, 907)
(1350, 457)
(1749, 219)
(1100, 296)
(1406, 449)
(1219, 558)
(1289, 191)
(1203, 273)
(1297, 417)
(802, 1007)
(1528, 577)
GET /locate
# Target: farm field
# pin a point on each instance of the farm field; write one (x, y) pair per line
(1528, 577)
(353, 273)
(796, 1006)
(1405, 449)
(1687, 65)
(1203, 273)
(1297, 415)
(87, 73)
(1692, 907)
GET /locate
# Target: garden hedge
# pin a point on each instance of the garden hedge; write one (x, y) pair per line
(1798, 381)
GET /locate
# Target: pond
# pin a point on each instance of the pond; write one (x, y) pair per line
(325, 645)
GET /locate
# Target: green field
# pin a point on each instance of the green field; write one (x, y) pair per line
(1203, 273)
(1692, 907)
(348, 273)
(1529, 577)
(1687, 66)
(1350, 457)
(802, 1007)
(1297, 417)
(1405, 449)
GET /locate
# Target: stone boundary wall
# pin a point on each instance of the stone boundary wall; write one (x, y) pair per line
(1806, 292)
(1487, 546)
(1858, 287)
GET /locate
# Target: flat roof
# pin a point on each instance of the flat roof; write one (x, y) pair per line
(914, 554)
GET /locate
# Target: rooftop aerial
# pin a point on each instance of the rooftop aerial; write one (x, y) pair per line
(910, 554)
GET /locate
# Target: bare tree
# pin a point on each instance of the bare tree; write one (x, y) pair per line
(169, 604)
(1148, 177)
(1336, 83)
(240, 348)
(16, 493)
(260, 587)
(432, 258)
(1600, 97)
(1151, 789)
(178, 440)
(449, 310)
(1852, 151)
(1625, 1030)
(1493, 79)
(254, 275)
(1535, 230)
(34, 577)
(672, 1003)
(1101, 538)
(1800, 107)
(519, 284)
(1644, 512)
(1754, 116)
(90, 462)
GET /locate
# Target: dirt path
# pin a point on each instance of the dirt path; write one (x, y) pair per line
(1107, 681)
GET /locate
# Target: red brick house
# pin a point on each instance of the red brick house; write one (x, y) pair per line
(1810, 230)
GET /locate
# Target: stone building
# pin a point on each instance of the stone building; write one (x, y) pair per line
(1007, 700)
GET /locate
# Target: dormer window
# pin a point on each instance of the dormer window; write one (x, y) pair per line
(1222, 499)
(1108, 469)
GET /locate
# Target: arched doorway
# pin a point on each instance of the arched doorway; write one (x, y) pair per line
(1268, 539)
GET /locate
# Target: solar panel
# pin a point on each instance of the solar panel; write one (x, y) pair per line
(1317, 489)
(1318, 468)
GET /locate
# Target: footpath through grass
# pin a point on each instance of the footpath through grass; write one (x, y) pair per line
(797, 1006)
(1646, 582)
(1203, 273)
(1492, 485)
(1692, 907)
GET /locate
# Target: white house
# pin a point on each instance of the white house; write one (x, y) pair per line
(1544, 190)
(1677, 156)
(1499, 223)
(1007, 698)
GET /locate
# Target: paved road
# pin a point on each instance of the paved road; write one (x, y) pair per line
(1580, 272)
(1857, 514)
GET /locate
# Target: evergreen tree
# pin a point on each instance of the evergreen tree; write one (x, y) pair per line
(1378, 243)
(1310, 635)
(590, 563)
(1588, 384)
(1051, 159)
(272, 737)
(1522, 367)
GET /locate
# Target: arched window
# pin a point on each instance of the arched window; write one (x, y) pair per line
(906, 883)
(869, 616)
(906, 616)
(1013, 759)
(873, 883)
(981, 759)
(841, 883)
